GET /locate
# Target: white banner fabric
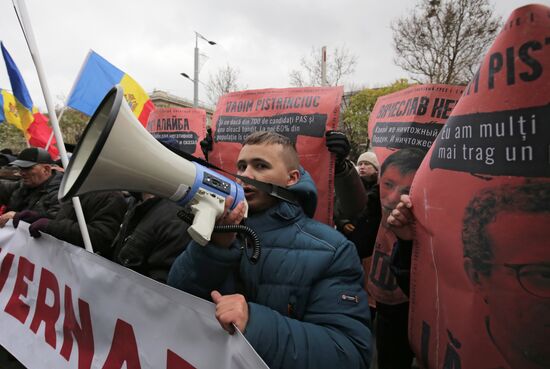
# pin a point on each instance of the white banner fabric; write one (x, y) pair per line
(63, 307)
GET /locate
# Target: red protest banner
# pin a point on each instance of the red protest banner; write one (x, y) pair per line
(407, 119)
(184, 126)
(480, 283)
(302, 114)
(411, 117)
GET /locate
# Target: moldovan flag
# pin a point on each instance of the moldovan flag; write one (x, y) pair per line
(96, 78)
(22, 112)
(9, 112)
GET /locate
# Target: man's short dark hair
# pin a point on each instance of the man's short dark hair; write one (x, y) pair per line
(273, 138)
(406, 160)
(533, 197)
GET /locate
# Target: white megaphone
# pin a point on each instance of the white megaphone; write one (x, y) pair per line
(117, 153)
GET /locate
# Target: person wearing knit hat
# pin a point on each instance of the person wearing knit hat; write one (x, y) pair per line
(367, 166)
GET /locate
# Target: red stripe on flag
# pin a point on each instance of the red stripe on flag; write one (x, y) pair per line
(40, 132)
(148, 107)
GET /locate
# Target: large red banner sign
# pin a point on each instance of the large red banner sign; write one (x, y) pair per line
(480, 289)
(302, 114)
(185, 127)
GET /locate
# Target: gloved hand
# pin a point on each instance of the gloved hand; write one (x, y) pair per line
(28, 216)
(207, 143)
(38, 226)
(338, 144)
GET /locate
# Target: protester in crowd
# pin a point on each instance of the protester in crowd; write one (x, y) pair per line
(349, 189)
(6, 159)
(302, 305)
(357, 208)
(360, 227)
(8, 172)
(151, 236)
(207, 143)
(392, 306)
(37, 189)
(103, 212)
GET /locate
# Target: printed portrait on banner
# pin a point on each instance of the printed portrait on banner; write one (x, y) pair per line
(480, 288)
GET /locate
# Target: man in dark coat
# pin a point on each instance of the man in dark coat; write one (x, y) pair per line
(37, 189)
(360, 227)
(103, 212)
(151, 237)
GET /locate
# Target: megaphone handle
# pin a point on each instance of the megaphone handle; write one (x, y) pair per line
(206, 207)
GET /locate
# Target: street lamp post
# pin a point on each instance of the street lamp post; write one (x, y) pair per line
(185, 75)
(196, 76)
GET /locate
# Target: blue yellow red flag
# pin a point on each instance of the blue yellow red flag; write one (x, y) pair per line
(23, 101)
(8, 112)
(97, 76)
(19, 110)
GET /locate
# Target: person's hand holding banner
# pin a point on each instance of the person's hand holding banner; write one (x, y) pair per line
(338, 144)
(231, 309)
(28, 216)
(38, 226)
(401, 219)
(5, 217)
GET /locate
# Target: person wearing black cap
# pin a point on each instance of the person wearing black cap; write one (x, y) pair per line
(6, 159)
(37, 189)
(7, 172)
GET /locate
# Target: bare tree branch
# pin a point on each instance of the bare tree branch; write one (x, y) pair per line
(443, 41)
(224, 81)
(340, 64)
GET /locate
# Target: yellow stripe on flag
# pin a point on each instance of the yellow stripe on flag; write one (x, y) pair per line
(15, 113)
(134, 94)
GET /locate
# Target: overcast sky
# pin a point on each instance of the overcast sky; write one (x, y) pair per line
(153, 41)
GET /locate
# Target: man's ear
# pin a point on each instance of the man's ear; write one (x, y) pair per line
(476, 277)
(293, 177)
(47, 168)
(473, 275)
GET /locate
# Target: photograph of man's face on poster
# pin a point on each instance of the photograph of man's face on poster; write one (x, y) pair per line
(505, 238)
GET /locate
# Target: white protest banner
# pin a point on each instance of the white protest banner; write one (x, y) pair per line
(62, 307)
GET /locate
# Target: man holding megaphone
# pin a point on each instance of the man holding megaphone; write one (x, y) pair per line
(300, 302)
(302, 305)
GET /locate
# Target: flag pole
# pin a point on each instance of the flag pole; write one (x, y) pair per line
(51, 135)
(29, 36)
(67, 100)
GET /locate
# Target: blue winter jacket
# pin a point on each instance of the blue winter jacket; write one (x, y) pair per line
(307, 306)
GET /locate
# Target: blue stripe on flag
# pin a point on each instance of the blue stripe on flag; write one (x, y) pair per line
(97, 77)
(17, 84)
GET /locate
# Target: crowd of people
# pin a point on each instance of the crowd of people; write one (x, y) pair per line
(304, 304)
(308, 289)
(306, 292)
